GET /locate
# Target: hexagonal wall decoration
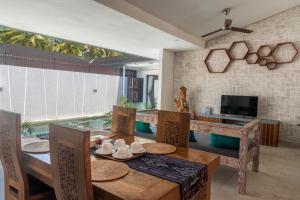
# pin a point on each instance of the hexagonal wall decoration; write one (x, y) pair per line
(284, 52)
(251, 58)
(263, 61)
(264, 51)
(238, 50)
(217, 60)
(272, 65)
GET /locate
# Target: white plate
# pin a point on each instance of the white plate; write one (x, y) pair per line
(100, 152)
(115, 149)
(115, 155)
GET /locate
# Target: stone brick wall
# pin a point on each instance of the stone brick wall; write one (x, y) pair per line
(278, 90)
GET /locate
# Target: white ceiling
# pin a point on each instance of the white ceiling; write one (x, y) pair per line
(88, 22)
(169, 24)
(199, 17)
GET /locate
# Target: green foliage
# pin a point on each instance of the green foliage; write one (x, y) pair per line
(148, 106)
(107, 118)
(68, 48)
(125, 103)
(26, 128)
(12, 36)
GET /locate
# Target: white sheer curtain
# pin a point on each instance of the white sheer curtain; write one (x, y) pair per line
(41, 94)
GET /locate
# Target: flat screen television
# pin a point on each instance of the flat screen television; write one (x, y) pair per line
(239, 105)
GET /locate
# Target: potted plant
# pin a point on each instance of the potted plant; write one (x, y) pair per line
(107, 118)
(125, 103)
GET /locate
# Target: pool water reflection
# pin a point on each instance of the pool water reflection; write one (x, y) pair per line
(42, 129)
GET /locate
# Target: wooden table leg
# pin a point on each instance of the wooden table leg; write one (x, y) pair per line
(208, 186)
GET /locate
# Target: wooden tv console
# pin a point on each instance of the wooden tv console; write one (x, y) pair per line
(269, 129)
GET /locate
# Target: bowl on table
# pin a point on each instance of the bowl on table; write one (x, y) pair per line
(123, 152)
(119, 143)
(137, 148)
(106, 149)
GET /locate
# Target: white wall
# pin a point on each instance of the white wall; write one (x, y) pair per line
(278, 90)
(41, 94)
(166, 80)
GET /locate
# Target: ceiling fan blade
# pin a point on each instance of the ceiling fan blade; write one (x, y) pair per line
(212, 32)
(227, 22)
(241, 30)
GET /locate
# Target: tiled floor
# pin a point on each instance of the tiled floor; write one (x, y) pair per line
(278, 179)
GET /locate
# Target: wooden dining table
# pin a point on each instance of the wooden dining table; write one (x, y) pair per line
(135, 185)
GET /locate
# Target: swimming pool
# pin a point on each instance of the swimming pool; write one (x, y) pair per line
(42, 128)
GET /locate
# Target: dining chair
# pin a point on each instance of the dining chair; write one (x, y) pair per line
(173, 128)
(70, 162)
(17, 185)
(123, 121)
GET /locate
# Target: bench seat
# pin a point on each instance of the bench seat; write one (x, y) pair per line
(203, 143)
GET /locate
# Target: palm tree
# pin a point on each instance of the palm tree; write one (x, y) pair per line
(39, 41)
(12, 36)
(7, 33)
(96, 52)
(68, 48)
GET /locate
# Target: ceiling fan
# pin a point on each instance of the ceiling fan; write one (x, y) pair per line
(227, 25)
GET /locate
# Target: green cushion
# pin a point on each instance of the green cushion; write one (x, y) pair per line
(224, 141)
(143, 127)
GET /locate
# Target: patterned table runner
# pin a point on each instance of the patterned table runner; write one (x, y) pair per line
(191, 176)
